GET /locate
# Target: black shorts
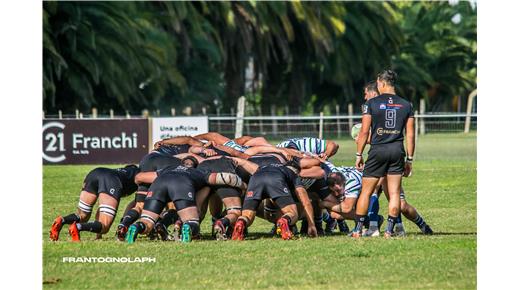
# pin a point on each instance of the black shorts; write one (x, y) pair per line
(268, 184)
(385, 159)
(153, 162)
(173, 187)
(225, 191)
(103, 180)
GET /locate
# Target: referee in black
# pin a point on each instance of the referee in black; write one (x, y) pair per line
(386, 116)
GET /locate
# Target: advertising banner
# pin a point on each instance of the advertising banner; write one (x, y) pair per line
(163, 128)
(94, 141)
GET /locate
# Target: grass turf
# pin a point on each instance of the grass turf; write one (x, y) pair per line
(442, 188)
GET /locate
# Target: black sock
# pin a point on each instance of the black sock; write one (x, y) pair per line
(391, 223)
(419, 221)
(169, 218)
(141, 227)
(71, 218)
(130, 217)
(94, 227)
(225, 221)
(318, 222)
(360, 221)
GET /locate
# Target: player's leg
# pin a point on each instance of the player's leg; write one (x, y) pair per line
(368, 185)
(254, 194)
(289, 216)
(233, 205)
(394, 203)
(107, 211)
(83, 212)
(413, 215)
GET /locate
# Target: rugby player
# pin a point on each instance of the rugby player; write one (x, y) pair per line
(386, 116)
(321, 147)
(370, 91)
(107, 185)
(187, 187)
(228, 195)
(164, 155)
(280, 183)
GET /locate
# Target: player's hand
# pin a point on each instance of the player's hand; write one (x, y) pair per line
(360, 163)
(323, 156)
(209, 152)
(407, 169)
(312, 232)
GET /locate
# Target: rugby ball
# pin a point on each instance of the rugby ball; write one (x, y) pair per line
(354, 132)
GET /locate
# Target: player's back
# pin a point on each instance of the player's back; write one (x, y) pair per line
(389, 116)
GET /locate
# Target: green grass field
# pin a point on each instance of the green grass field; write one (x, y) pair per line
(443, 189)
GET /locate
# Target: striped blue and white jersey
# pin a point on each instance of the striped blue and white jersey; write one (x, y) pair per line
(234, 145)
(352, 179)
(306, 144)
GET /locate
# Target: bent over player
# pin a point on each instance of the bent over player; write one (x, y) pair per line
(107, 185)
(182, 185)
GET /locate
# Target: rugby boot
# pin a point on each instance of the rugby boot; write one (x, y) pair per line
(426, 230)
(131, 235)
(220, 231)
(74, 233)
(121, 232)
(343, 227)
(399, 230)
(186, 233)
(239, 230)
(283, 229)
(330, 226)
(54, 233)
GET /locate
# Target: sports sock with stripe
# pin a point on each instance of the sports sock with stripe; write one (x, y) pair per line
(71, 218)
(94, 227)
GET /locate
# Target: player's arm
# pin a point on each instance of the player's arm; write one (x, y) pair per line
(309, 162)
(180, 140)
(213, 136)
(249, 166)
(313, 172)
(366, 121)
(266, 149)
(145, 177)
(302, 195)
(410, 145)
(225, 178)
(330, 149)
(231, 151)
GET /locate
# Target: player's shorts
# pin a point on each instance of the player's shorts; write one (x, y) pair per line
(234, 145)
(153, 162)
(385, 159)
(103, 180)
(178, 188)
(268, 183)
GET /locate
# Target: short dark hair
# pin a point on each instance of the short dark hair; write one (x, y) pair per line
(388, 76)
(371, 86)
(192, 159)
(335, 178)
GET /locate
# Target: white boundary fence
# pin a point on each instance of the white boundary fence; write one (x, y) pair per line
(337, 126)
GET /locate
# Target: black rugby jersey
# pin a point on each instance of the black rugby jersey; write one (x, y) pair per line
(389, 115)
(199, 177)
(127, 176)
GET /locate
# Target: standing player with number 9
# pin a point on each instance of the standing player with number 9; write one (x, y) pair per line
(386, 116)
